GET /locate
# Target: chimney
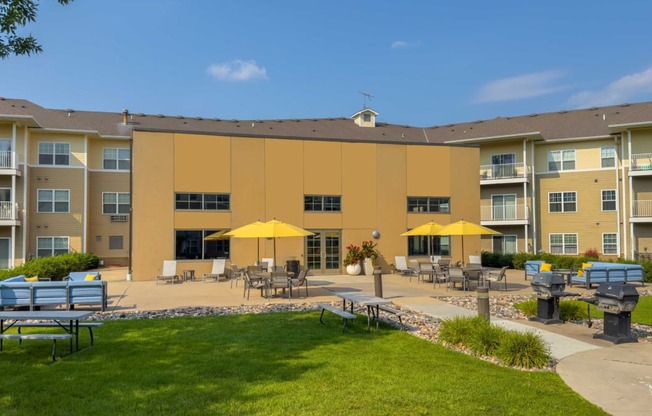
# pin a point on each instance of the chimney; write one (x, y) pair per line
(125, 116)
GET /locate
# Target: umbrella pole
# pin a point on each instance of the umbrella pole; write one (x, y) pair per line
(257, 250)
(463, 251)
(274, 253)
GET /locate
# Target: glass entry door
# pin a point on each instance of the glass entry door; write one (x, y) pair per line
(4, 253)
(503, 207)
(323, 251)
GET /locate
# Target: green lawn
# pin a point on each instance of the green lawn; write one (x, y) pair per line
(268, 364)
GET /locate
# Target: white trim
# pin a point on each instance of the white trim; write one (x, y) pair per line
(562, 202)
(602, 200)
(614, 156)
(67, 237)
(535, 231)
(616, 243)
(117, 204)
(85, 192)
(117, 159)
(56, 166)
(630, 125)
(53, 201)
(38, 153)
(108, 170)
(571, 171)
(631, 201)
(575, 139)
(577, 239)
(12, 198)
(491, 138)
(24, 222)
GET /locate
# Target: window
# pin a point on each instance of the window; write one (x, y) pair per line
(116, 242)
(428, 204)
(562, 202)
(57, 154)
(503, 166)
(322, 203)
(53, 200)
(561, 160)
(51, 246)
(206, 202)
(116, 159)
(609, 244)
(608, 157)
(563, 243)
(190, 244)
(609, 200)
(504, 244)
(115, 202)
(424, 245)
(366, 117)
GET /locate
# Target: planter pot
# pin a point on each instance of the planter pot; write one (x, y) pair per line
(353, 269)
(368, 267)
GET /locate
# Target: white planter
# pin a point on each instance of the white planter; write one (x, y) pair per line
(353, 269)
(368, 267)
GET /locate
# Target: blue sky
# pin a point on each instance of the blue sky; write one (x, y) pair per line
(425, 62)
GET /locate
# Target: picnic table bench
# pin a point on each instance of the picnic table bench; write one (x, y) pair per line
(89, 325)
(399, 314)
(337, 311)
(53, 337)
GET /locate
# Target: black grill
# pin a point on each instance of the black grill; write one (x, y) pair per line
(617, 301)
(548, 288)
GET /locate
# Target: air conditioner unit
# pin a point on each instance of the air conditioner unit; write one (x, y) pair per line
(119, 218)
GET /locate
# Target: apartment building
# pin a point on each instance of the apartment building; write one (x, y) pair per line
(138, 189)
(566, 182)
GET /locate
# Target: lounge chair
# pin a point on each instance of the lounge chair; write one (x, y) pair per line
(169, 274)
(402, 267)
(217, 271)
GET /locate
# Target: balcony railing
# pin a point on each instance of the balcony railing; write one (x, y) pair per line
(8, 211)
(504, 171)
(7, 159)
(641, 161)
(642, 208)
(505, 213)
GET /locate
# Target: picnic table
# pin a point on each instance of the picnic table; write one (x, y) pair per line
(371, 302)
(66, 320)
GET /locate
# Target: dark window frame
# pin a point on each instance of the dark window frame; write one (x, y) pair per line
(322, 203)
(429, 204)
(198, 201)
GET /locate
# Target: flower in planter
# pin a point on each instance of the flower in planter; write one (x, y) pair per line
(353, 255)
(369, 250)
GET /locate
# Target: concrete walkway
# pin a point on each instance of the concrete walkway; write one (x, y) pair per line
(616, 378)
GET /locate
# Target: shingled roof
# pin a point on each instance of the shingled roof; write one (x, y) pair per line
(575, 124)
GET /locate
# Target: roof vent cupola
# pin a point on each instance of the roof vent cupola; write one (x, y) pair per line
(365, 118)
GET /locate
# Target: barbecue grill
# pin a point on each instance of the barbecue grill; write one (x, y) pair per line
(548, 288)
(617, 301)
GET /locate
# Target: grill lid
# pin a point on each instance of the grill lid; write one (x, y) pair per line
(616, 290)
(548, 280)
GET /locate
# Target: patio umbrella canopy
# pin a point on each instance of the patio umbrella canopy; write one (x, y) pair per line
(270, 229)
(219, 235)
(429, 229)
(463, 228)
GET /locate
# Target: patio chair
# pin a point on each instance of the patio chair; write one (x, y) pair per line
(279, 280)
(414, 266)
(475, 260)
(473, 275)
(497, 277)
(457, 275)
(253, 283)
(402, 267)
(426, 270)
(169, 273)
(300, 280)
(217, 271)
(267, 263)
(236, 274)
(444, 264)
(439, 275)
(255, 269)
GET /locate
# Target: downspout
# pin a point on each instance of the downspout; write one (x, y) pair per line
(525, 227)
(620, 162)
(534, 204)
(85, 216)
(25, 181)
(14, 210)
(131, 198)
(631, 203)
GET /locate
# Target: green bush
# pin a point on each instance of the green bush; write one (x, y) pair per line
(525, 350)
(486, 339)
(569, 310)
(56, 267)
(497, 260)
(459, 330)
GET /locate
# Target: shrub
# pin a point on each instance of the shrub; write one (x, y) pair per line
(592, 253)
(56, 267)
(569, 310)
(486, 339)
(525, 350)
(528, 307)
(459, 330)
(497, 260)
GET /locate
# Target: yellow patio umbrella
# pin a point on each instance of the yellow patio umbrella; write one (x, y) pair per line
(463, 228)
(247, 229)
(219, 235)
(270, 229)
(429, 229)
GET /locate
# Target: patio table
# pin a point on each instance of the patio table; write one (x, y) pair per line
(363, 300)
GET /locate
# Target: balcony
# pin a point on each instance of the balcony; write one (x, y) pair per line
(641, 211)
(505, 215)
(8, 163)
(504, 173)
(640, 164)
(9, 214)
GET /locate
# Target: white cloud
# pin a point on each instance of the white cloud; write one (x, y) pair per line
(617, 92)
(519, 87)
(399, 44)
(237, 70)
